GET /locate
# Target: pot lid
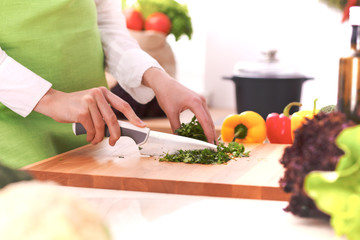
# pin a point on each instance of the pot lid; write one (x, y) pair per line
(269, 68)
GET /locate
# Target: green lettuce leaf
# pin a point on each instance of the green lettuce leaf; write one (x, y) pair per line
(337, 193)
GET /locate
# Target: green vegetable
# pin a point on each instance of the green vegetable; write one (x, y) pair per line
(207, 156)
(178, 14)
(337, 4)
(337, 193)
(40, 210)
(328, 109)
(192, 129)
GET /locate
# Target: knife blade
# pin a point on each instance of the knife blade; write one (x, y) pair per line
(153, 143)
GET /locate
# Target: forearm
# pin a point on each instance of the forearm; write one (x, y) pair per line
(157, 79)
(123, 57)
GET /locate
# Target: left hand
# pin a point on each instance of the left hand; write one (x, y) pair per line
(175, 98)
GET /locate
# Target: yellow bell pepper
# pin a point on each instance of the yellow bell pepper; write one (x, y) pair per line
(246, 127)
(299, 118)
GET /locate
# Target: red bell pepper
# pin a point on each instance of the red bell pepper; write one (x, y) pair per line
(278, 126)
(346, 11)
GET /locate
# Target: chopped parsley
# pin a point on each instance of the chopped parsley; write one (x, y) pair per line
(192, 129)
(207, 156)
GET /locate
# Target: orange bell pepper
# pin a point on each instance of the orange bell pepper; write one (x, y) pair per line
(246, 127)
(299, 118)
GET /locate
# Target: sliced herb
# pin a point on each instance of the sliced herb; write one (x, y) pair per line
(192, 129)
(207, 156)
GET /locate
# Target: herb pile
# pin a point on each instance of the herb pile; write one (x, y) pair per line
(207, 156)
(222, 155)
(192, 129)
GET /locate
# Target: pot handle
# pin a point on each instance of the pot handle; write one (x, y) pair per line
(308, 78)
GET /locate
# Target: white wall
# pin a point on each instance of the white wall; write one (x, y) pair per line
(306, 33)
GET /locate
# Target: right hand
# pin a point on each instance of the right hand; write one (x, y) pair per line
(174, 98)
(91, 108)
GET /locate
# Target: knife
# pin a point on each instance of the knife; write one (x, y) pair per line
(153, 143)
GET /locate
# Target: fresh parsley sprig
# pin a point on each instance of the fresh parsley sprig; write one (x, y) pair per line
(192, 129)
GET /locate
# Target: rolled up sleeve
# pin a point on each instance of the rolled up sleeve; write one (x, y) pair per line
(124, 58)
(20, 88)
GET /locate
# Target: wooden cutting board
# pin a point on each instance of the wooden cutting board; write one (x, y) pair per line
(123, 168)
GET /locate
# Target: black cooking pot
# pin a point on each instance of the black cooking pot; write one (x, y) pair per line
(266, 86)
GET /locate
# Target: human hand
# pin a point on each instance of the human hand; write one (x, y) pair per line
(175, 98)
(91, 108)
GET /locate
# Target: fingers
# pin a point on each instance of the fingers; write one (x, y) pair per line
(174, 119)
(108, 116)
(85, 119)
(123, 107)
(93, 121)
(91, 108)
(200, 109)
(175, 98)
(198, 106)
(98, 112)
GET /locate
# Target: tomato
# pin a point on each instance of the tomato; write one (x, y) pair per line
(159, 22)
(134, 19)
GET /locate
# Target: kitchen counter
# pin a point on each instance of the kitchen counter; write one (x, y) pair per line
(139, 215)
(239, 200)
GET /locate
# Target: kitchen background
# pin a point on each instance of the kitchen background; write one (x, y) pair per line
(307, 34)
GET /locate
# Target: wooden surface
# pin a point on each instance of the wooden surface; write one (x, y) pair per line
(121, 167)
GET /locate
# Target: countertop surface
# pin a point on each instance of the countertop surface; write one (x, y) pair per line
(141, 215)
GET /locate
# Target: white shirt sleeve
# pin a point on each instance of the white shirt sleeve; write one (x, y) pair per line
(123, 57)
(20, 88)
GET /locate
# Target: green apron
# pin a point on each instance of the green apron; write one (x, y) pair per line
(58, 40)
